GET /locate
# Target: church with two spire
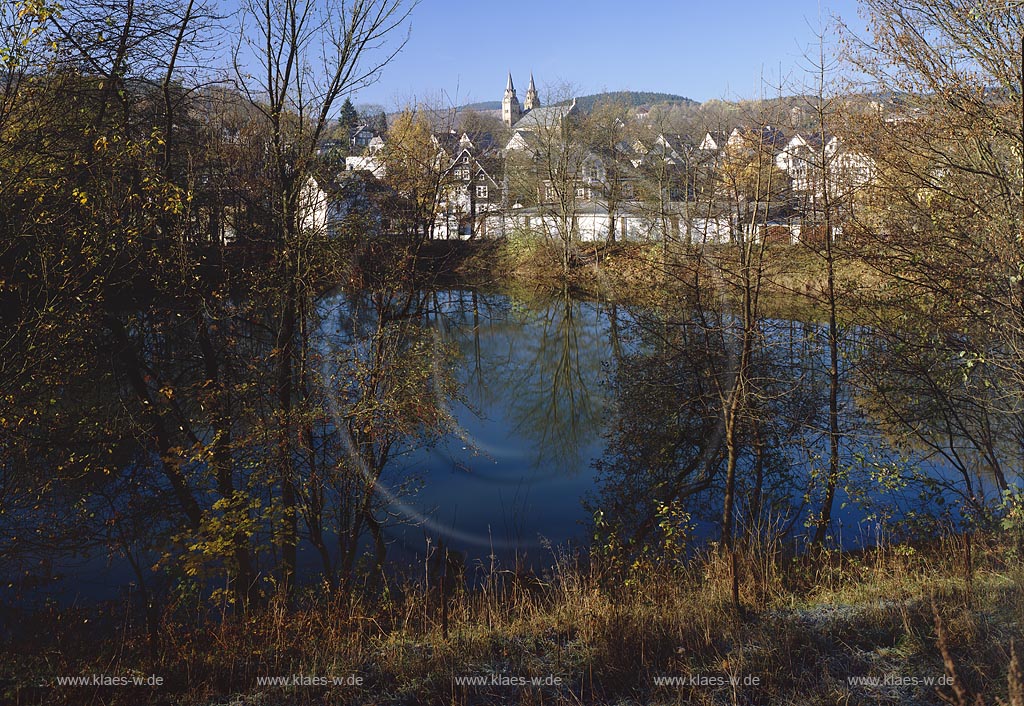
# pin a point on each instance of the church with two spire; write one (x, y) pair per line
(511, 111)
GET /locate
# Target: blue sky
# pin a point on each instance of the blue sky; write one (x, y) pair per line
(459, 51)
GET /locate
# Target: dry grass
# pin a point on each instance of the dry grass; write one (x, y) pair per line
(793, 277)
(606, 635)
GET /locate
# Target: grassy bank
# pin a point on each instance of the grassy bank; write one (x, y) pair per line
(793, 277)
(816, 631)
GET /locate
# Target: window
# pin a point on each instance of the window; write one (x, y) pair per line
(481, 191)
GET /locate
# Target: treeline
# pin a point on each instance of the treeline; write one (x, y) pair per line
(631, 98)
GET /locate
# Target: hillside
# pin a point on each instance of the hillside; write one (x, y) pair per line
(482, 106)
(632, 98)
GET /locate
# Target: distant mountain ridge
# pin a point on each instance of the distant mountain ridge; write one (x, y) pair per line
(630, 98)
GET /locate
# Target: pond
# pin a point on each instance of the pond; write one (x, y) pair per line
(559, 411)
(558, 416)
(529, 421)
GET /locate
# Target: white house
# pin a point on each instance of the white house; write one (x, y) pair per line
(802, 159)
(591, 222)
(805, 159)
(366, 163)
(312, 209)
(370, 160)
(713, 141)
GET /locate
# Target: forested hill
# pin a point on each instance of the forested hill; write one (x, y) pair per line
(633, 98)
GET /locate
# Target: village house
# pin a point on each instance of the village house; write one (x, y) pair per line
(641, 189)
(361, 137)
(370, 160)
(471, 201)
(812, 159)
(713, 141)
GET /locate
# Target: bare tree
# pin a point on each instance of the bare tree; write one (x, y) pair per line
(944, 123)
(295, 60)
(607, 131)
(817, 163)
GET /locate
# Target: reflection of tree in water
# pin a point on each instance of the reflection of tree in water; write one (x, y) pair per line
(386, 381)
(665, 441)
(89, 474)
(542, 361)
(557, 401)
(468, 318)
(74, 478)
(950, 396)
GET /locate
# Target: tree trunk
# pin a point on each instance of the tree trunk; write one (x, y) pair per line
(288, 537)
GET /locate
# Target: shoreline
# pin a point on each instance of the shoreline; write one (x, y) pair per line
(631, 273)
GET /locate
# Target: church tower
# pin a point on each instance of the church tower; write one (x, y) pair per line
(510, 110)
(532, 100)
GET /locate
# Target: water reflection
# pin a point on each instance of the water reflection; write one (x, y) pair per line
(494, 421)
(528, 423)
(666, 442)
(953, 398)
(385, 382)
